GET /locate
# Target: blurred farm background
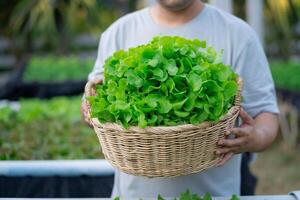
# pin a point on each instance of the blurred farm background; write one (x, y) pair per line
(48, 47)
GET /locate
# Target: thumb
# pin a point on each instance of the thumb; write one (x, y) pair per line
(97, 80)
(247, 119)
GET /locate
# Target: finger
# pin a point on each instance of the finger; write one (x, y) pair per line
(86, 106)
(84, 109)
(85, 113)
(231, 143)
(235, 130)
(221, 151)
(240, 131)
(227, 132)
(88, 121)
(97, 80)
(90, 124)
(247, 119)
(226, 157)
(225, 150)
(91, 85)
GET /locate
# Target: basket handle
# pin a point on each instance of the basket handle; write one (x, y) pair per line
(237, 101)
(90, 86)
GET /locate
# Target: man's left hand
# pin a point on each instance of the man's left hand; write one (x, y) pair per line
(247, 139)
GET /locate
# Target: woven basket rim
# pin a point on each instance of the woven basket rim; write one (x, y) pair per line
(167, 129)
(163, 129)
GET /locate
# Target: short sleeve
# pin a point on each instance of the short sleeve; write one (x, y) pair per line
(258, 87)
(107, 46)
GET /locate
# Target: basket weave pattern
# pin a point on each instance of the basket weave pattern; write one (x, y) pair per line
(165, 151)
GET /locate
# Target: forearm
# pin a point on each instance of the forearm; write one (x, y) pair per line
(266, 126)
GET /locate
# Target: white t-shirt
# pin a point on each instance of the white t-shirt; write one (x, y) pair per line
(242, 51)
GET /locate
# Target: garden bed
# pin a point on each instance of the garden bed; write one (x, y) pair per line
(45, 129)
(286, 75)
(47, 77)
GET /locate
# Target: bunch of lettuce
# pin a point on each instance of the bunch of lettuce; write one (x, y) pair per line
(169, 81)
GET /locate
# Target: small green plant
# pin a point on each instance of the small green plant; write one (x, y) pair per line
(286, 75)
(169, 81)
(54, 69)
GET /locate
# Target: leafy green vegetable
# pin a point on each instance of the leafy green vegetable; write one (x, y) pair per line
(207, 196)
(187, 195)
(234, 197)
(169, 81)
(160, 197)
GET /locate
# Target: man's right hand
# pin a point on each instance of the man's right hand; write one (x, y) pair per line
(85, 112)
(85, 106)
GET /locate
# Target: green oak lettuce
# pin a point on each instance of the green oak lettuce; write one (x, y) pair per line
(169, 81)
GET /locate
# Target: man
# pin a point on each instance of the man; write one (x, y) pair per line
(242, 51)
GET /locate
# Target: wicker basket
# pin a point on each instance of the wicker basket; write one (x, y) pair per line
(168, 151)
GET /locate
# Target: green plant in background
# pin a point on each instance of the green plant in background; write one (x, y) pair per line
(55, 22)
(286, 75)
(53, 69)
(169, 81)
(46, 129)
